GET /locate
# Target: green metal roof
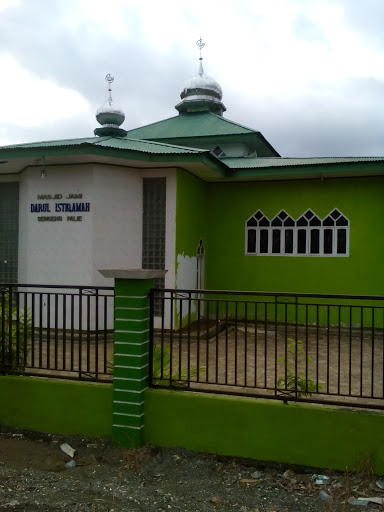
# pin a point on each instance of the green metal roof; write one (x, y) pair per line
(197, 161)
(142, 146)
(257, 163)
(196, 124)
(194, 128)
(261, 169)
(118, 150)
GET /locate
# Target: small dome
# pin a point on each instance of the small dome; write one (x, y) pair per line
(202, 81)
(200, 93)
(110, 116)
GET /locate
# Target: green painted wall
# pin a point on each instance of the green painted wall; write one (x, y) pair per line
(191, 227)
(191, 213)
(230, 205)
(56, 406)
(318, 436)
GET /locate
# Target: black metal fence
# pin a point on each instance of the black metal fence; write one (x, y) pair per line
(293, 347)
(56, 331)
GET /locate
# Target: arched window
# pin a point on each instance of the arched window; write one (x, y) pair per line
(283, 234)
(335, 234)
(308, 234)
(257, 234)
(200, 249)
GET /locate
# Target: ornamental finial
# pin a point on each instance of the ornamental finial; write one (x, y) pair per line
(109, 79)
(200, 44)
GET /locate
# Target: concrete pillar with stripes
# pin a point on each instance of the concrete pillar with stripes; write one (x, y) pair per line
(131, 349)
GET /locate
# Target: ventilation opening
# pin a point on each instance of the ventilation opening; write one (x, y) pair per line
(218, 152)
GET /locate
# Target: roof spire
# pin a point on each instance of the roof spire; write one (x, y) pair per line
(201, 93)
(109, 78)
(110, 116)
(200, 44)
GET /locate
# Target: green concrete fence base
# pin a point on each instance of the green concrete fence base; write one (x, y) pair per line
(131, 352)
(56, 406)
(312, 435)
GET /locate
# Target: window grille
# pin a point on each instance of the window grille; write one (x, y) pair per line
(258, 239)
(336, 231)
(283, 234)
(306, 236)
(9, 232)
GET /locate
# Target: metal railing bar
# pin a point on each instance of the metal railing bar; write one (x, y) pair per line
(265, 294)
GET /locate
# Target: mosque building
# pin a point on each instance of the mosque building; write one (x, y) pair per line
(204, 197)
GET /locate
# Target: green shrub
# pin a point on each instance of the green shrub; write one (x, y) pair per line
(15, 332)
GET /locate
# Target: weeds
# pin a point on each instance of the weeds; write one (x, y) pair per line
(161, 368)
(134, 457)
(353, 485)
(162, 363)
(295, 380)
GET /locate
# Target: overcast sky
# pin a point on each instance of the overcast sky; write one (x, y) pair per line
(308, 74)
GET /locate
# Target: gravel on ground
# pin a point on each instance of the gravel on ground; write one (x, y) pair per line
(108, 478)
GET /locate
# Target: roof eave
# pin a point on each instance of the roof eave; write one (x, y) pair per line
(28, 156)
(314, 171)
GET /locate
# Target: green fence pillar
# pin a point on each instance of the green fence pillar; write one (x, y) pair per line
(131, 349)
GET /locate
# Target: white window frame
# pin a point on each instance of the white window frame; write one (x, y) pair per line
(282, 229)
(307, 228)
(258, 228)
(335, 229)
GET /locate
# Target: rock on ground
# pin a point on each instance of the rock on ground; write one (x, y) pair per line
(108, 478)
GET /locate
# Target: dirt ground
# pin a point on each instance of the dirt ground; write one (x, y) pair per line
(107, 478)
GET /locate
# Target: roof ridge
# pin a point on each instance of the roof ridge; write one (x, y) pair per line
(87, 139)
(117, 143)
(155, 143)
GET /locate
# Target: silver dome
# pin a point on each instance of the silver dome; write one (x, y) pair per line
(200, 93)
(110, 115)
(202, 81)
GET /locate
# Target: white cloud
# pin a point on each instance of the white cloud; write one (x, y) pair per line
(283, 60)
(30, 101)
(4, 4)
